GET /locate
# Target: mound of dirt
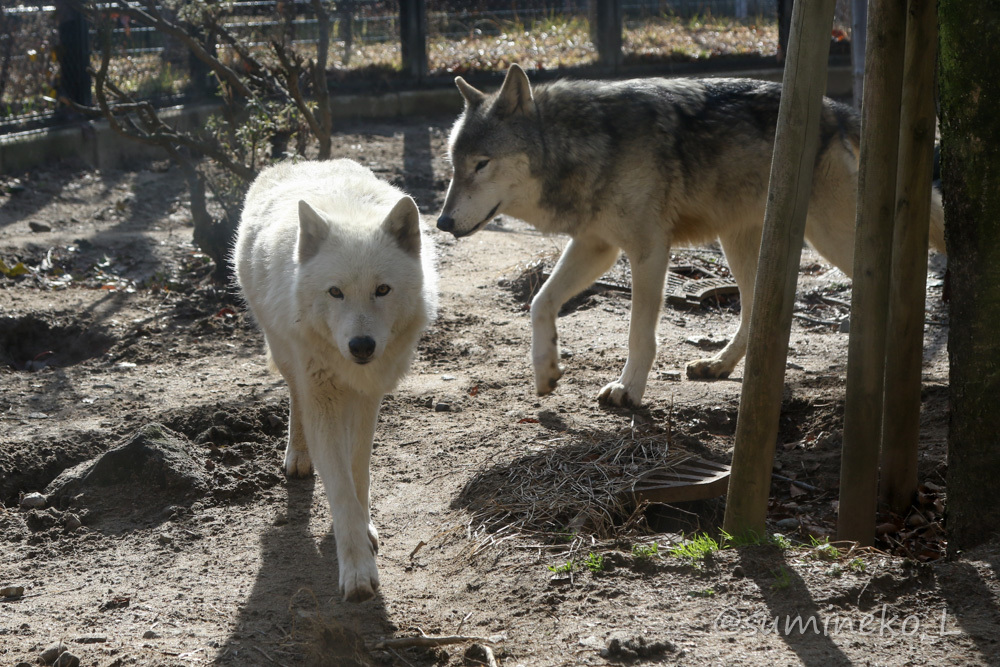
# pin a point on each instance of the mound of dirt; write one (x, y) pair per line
(151, 469)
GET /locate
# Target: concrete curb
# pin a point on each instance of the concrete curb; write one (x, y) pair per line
(99, 146)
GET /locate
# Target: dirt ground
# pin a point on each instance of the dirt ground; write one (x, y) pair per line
(115, 326)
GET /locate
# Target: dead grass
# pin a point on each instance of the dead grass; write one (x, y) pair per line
(567, 486)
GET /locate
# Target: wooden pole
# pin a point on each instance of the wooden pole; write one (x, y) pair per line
(872, 262)
(795, 146)
(859, 25)
(904, 356)
(608, 34)
(413, 38)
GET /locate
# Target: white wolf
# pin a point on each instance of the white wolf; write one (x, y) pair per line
(635, 166)
(332, 262)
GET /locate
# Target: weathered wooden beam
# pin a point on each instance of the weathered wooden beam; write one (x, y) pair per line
(795, 146)
(608, 33)
(904, 355)
(413, 38)
(872, 263)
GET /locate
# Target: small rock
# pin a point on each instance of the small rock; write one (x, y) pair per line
(845, 326)
(66, 659)
(566, 354)
(38, 227)
(38, 415)
(790, 523)
(52, 652)
(11, 591)
(738, 572)
(794, 366)
(33, 500)
(674, 376)
(73, 522)
(448, 378)
(163, 538)
(91, 639)
(442, 407)
(150, 634)
(705, 343)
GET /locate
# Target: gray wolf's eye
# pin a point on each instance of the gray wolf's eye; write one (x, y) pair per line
(482, 165)
(382, 290)
(336, 293)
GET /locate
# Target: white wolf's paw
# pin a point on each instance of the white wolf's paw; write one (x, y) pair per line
(547, 374)
(373, 536)
(708, 369)
(297, 462)
(617, 394)
(358, 574)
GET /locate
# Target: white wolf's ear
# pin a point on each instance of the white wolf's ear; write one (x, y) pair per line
(515, 94)
(473, 96)
(313, 228)
(403, 225)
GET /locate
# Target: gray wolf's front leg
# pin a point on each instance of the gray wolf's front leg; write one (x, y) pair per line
(649, 269)
(338, 447)
(582, 262)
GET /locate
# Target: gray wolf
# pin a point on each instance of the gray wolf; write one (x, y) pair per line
(334, 267)
(636, 166)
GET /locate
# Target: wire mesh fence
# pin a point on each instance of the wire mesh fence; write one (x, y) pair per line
(367, 45)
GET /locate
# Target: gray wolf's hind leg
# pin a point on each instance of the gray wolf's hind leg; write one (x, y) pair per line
(649, 272)
(583, 261)
(742, 249)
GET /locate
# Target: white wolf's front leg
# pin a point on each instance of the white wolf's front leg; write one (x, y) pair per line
(582, 262)
(649, 269)
(297, 460)
(337, 448)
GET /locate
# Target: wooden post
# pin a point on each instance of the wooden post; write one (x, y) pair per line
(859, 29)
(608, 34)
(413, 37)
(872, 262)
(74, 53)
(904, 357)
(795, 145)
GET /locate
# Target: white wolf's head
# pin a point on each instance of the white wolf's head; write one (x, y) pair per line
(363, 283)
(489, 147)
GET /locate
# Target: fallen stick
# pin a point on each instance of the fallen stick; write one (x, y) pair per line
(424, 640)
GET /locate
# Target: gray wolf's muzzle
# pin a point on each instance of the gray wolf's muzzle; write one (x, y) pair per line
(446, 223)
(362, 348)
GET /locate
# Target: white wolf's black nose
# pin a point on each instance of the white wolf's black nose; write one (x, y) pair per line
(446, 223)
(362, 347)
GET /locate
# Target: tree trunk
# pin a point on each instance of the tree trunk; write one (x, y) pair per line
(970, 162)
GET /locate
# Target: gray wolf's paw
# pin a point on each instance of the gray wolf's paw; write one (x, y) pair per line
(708, 369)
(615, 393)
(373, 536)
(547, 374)
(297, 462)
(358, 574)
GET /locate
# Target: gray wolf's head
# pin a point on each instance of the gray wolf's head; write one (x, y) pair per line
(490, 148)
(360, 275)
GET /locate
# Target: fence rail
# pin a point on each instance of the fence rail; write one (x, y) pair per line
(379, 43)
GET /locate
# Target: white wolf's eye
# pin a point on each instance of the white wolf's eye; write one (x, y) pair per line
(481, 165)
(336, 293)
(382, 290)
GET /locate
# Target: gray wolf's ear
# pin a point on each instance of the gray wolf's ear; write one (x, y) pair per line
(313, 228)
(473, 97)
(403, 225)
(515, 95)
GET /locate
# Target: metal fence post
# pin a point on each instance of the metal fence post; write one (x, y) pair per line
(413, 37)
(609, 33)
(73, 53)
